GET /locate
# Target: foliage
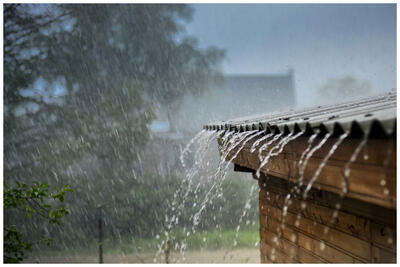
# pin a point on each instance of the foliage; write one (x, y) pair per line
(97, 74)
(35, 199)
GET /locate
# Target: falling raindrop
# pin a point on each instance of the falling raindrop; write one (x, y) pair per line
(386, 191)
(322, 246)
(258, 141)
(326, 230)
(323, 163)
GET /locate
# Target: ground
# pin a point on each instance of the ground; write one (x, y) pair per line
(248, 255)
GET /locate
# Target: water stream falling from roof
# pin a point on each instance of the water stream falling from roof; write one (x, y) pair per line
(231, 143)
(302, 167)
(256, 143)
(204, 143)
(249, 137)
(383, 181)
(345, 182)
(203, 139)
(186, 149)
(246, 208)
(265, 146)
(221, 173)
(323, 163)
(271, 153)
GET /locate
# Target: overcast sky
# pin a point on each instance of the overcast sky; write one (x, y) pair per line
(320, 41)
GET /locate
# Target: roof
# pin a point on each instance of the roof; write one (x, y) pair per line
(375, 116)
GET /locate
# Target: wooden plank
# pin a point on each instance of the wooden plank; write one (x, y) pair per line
(311, 244)
(365, 176)
(324, 251)
(376, 150)
(294, 252)
(345, 222)
(364, 180)
(384, 236)
(273, 255)
(327, 199)
(285, 246)
(383, 256)
(335, 238)
(307, 257)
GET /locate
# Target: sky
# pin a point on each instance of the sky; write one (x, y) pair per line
(319, 41)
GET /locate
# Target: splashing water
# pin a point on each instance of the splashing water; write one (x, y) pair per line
(279, 147)
(345, 182)
(385, 167)
(199, 157)
(204, 139)
(310, 142)
(229, 141)
(300, 163)
(265, 146)
(308, 156)
(256, 143)
(246, 140)
(302, 166)
(296, 187)
(187, 147)
(346, 169)
(285, 141)
(323, 163)
(246, 209)
(221, 172)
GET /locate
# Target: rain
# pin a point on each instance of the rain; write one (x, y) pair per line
(124, 126)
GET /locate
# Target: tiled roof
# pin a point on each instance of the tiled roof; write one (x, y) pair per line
(374, 116)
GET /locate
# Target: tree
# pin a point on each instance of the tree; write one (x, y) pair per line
(96, 73)
(33, 199)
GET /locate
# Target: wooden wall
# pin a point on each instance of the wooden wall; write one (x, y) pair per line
(366, 176)
(362, 232)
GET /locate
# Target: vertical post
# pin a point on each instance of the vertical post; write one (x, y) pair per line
(100, 234)
(167, 249)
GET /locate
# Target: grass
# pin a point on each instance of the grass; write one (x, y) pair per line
(248, 237)
(223, 239)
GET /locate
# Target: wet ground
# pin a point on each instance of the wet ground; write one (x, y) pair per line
(216, 256)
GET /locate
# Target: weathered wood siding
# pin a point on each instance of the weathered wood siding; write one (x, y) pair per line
(361, 233)
(366, 176)
(364, 230)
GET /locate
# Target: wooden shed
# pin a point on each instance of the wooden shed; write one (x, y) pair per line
(327, 180)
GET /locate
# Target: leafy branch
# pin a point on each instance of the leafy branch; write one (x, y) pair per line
(37, 199)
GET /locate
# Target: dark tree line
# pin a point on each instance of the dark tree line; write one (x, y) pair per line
(81, 86)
